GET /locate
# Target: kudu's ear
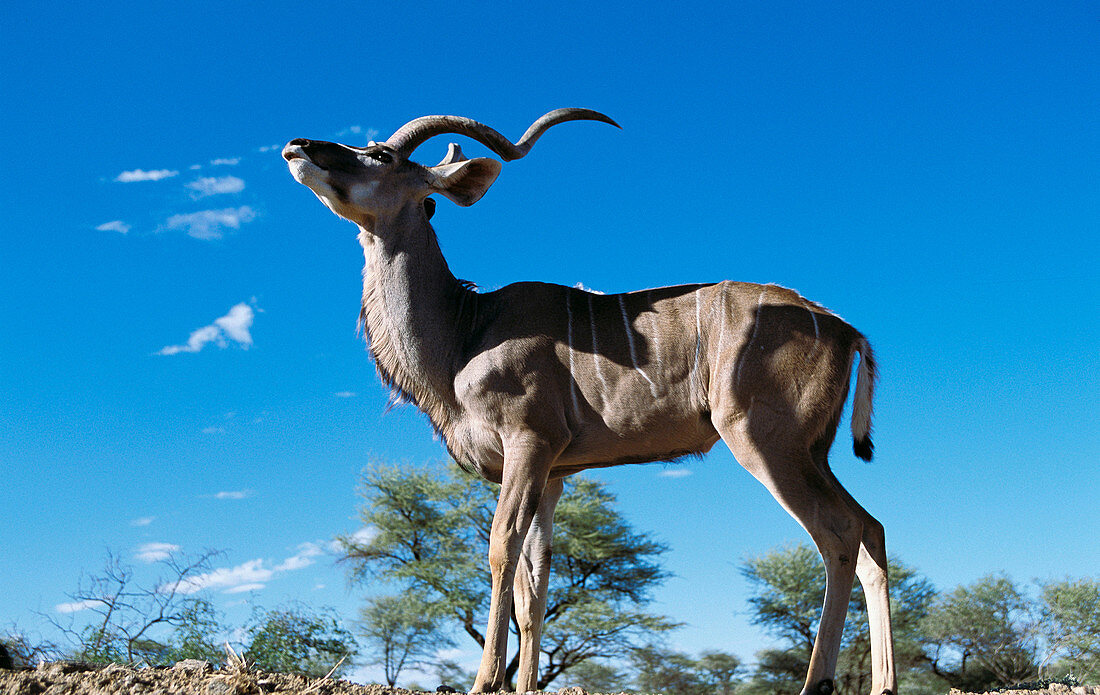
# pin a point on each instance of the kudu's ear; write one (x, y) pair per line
(465, 181)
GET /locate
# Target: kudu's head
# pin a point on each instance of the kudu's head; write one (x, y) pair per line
(362, 184)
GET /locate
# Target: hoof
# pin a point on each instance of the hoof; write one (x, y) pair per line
(825, 687)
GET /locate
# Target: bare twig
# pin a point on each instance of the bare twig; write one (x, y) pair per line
(317, 685)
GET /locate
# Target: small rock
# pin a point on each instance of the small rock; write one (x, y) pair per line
(194, 666)
(574, 690)
(220, 687)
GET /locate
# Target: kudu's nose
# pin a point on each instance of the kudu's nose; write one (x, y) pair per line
(294, 148)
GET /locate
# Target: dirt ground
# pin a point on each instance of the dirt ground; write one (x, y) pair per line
(200, 678)
(185, 678)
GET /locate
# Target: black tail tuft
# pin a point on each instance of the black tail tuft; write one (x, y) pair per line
(864, 448)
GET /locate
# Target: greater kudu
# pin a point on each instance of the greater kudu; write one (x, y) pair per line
(535, 381)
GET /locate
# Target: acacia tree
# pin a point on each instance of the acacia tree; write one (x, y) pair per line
(660, 670)
(431, 534)
(1070, 623)
(401, 631)
(595, 677)
(720, 671)
(657, 669)
(980, 635)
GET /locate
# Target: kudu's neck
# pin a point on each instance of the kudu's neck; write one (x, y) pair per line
(412, 307)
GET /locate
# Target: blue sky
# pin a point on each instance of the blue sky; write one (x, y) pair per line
(177, 329)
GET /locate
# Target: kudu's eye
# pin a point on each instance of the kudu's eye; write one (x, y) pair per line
(381, 156)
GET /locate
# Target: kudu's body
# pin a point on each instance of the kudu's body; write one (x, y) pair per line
(535, 381)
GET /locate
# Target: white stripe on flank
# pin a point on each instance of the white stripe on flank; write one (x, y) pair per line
(817, 336)
(721, 323)
(633, 350)
(654, 333)
(755, 329)
(596, 346)
(698, 338)
(569, 338)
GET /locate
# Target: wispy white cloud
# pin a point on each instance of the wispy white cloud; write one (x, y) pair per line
(213, 430)
(197, 341)
(580, 286)
(252, 575)
(367, 133)
(249, 576)
(154, 552)
(215, 185)
(142, 175)
(211, 224)
(235, 326)
(143, 521)
(675, 473)
(303, 558)
(225, 161)
(236, 323)
(362, 536)
(114, 226)
(77, 606)
(233, 494)
(345, 394)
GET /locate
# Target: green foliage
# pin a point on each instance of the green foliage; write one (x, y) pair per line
(401, 631)
(99, 644)
(979, 635)
(194, 634)
(789, 588)
(595, 677)
(297, 639)
(426, 529)
(660, 670)
(197, 634)
(449, 673)
(777, 672)
(1070, 623)
(432, 536)
(720, 671)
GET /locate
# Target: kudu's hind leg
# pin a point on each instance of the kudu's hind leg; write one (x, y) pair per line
(871, 568)
(531, 584)
(790, 474)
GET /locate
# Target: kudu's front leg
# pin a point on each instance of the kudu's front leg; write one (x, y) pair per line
(531, 584)
(526, 468)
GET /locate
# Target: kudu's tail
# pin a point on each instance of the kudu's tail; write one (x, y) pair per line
(863, 404)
